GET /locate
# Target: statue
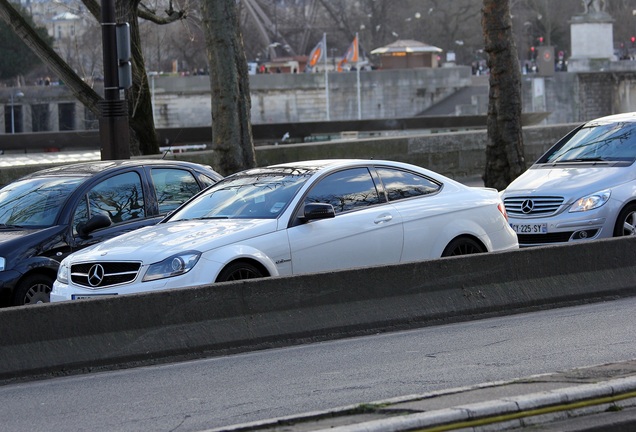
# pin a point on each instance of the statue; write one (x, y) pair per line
(593, 6)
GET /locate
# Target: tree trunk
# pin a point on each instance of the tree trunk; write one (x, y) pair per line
(143, 133)
(144, 139)
(229, 83)
(505, 159)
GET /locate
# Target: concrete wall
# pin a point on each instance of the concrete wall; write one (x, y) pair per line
(60, 338)
(280, 98)
(456, 154)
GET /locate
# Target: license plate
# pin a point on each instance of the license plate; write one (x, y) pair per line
(541, 228)
(89, 296)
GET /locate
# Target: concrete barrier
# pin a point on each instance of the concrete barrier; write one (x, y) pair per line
(239, 316)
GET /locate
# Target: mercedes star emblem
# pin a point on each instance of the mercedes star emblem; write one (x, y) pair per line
(95, 275)
(527, 206)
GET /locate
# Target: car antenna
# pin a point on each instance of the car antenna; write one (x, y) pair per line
(168, 149)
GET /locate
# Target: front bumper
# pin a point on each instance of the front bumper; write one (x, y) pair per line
(563, 228)
(8, 280)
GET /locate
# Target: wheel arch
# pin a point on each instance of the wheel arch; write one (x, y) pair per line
(467, 236)
(631, 202)
(248, 260)
(460, 228)
(47, 272)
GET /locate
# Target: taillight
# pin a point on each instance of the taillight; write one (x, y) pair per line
(502, 209)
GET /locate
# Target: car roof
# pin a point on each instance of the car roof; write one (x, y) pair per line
(615, 118)
(87, 169)
(319, 164)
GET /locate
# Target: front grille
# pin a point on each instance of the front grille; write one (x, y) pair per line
(532, 205)
(104, 274)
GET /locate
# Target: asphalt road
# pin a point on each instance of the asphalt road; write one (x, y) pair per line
(199, 395)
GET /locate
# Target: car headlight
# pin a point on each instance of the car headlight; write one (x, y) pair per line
(175, 265)
(591, 202)
(3, 262)
(62, 272)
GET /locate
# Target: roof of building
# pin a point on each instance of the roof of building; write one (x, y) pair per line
(65, 16)
(407, 46)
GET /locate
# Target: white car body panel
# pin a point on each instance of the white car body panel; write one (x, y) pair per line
(372, 236)
(410, 229)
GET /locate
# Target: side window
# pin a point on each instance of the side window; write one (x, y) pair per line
(207, 181)
(404, 184)
(120, 198)
(345, 190)
(81, 214)
(173, 187)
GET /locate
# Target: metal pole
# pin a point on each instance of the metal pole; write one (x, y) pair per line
(358, 86)
(113, 123)
(324, 35)
(12, 115)
(358, 76)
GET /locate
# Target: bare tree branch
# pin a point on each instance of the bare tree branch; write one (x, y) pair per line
(82, 91)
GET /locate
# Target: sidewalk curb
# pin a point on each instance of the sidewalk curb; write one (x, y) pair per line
(598, 395)
(593, 391)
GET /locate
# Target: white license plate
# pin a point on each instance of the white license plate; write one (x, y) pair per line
(89, 296)
(540, 228)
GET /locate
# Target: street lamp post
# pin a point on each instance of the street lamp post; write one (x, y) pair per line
(17, 95)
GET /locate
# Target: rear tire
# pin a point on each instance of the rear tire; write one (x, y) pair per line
(239, 271)
(33, 289)
(462, 246)
(626, 222)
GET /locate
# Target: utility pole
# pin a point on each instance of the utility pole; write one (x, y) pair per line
(114, 130)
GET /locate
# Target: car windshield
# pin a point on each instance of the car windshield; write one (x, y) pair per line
(261, 193)
(598, 142)
(34, 202)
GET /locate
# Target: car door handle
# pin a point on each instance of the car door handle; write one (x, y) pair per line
(383, 218)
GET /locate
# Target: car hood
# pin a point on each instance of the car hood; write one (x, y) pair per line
(11, 238)
(154, 243)
(570, 182)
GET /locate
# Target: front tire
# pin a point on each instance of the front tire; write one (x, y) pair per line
(626, 222)
(239, 271)
(462, 246)
(33, 289)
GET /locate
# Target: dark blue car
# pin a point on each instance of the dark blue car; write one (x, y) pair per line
(47, 215)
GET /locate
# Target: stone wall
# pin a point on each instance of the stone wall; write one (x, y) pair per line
(283, 98)
(280, 98)
(457, 154)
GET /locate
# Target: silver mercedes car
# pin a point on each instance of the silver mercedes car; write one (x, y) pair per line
(583, 188)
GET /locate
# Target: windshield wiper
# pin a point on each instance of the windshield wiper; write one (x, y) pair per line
(5, 226)
(590, 159)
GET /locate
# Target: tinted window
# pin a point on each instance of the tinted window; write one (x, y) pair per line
(345, 190)
(173, 187)
(404, 184)
(120, 198)
(34, 202)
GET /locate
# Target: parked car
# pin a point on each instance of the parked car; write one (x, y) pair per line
(47, 215)
(583, 188)
(295, 218)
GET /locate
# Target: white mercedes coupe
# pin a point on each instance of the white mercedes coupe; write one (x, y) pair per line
(294, 218)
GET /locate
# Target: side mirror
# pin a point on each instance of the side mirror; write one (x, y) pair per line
(315, 211)
(96, 222)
